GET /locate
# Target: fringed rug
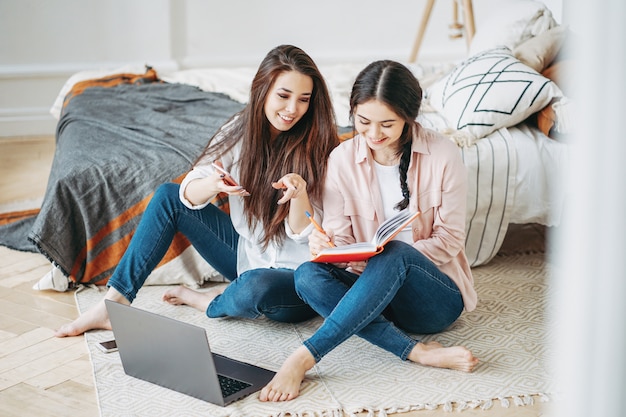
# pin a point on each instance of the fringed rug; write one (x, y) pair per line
(506, 332)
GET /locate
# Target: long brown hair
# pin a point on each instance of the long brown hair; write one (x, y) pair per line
(303, 149)
(395, 85)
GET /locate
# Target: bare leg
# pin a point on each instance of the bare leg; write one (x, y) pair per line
(196, 299)
(285, 385)
(94, 318)
(434, 354)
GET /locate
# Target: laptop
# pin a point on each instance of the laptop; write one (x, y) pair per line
(176, 355)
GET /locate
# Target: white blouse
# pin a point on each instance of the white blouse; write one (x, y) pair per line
(250, 254)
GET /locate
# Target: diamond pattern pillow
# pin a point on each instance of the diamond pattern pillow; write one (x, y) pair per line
(490, 90)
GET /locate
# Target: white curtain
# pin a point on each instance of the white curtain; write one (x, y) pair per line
(589, 297)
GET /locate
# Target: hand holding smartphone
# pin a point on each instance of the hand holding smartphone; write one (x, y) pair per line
(228, 179)
(108, 346)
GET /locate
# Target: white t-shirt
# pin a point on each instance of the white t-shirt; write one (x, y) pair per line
(391, 194)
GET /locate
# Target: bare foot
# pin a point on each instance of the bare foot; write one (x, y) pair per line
(94, 318)
(285, 385)
(196, 299)
(434, 354)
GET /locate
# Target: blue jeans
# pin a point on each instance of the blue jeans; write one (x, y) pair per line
(399, 291)
(264, 291)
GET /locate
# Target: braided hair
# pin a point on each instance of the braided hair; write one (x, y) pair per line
(395, 85)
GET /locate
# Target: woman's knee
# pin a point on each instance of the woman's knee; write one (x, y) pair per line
(165, 197)
(397, 248)
(396, 253)
(305, 277)
(166, 191)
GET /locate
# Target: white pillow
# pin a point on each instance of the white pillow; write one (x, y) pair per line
(511, 24)
(489, 91)
(540, 51)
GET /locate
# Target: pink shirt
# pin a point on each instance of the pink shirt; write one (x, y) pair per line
(437, 182)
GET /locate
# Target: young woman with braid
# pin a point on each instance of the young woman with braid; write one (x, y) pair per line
(421, 282)
(276, 148)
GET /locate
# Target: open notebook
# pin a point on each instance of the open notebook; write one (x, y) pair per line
(361, 251)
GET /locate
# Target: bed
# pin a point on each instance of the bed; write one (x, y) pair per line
(124, 131)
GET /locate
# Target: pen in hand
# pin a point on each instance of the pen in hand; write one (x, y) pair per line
(318, 227)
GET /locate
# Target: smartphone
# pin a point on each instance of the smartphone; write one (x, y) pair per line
(228, 179)
(108, 346)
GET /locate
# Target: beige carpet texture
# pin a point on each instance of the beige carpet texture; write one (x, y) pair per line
(507, 332)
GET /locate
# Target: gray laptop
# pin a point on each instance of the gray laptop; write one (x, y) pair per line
(176, 355)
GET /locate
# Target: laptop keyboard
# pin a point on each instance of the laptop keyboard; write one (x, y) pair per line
(230, 385)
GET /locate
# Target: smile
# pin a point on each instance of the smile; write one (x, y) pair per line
(286, 119)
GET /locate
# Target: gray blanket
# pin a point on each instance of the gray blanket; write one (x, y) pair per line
(115, 146)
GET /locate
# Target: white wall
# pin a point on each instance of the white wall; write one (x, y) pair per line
(42, 42)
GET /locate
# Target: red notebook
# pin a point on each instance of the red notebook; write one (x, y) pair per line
(364, 250)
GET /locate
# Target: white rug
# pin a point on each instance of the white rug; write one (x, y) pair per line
(506, 332)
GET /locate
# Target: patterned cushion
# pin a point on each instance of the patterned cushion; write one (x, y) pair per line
(490, 90)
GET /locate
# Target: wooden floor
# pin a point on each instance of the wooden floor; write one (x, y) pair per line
(41, 375)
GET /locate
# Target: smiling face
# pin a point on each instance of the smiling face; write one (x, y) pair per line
(381, 127)
(288, 100)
